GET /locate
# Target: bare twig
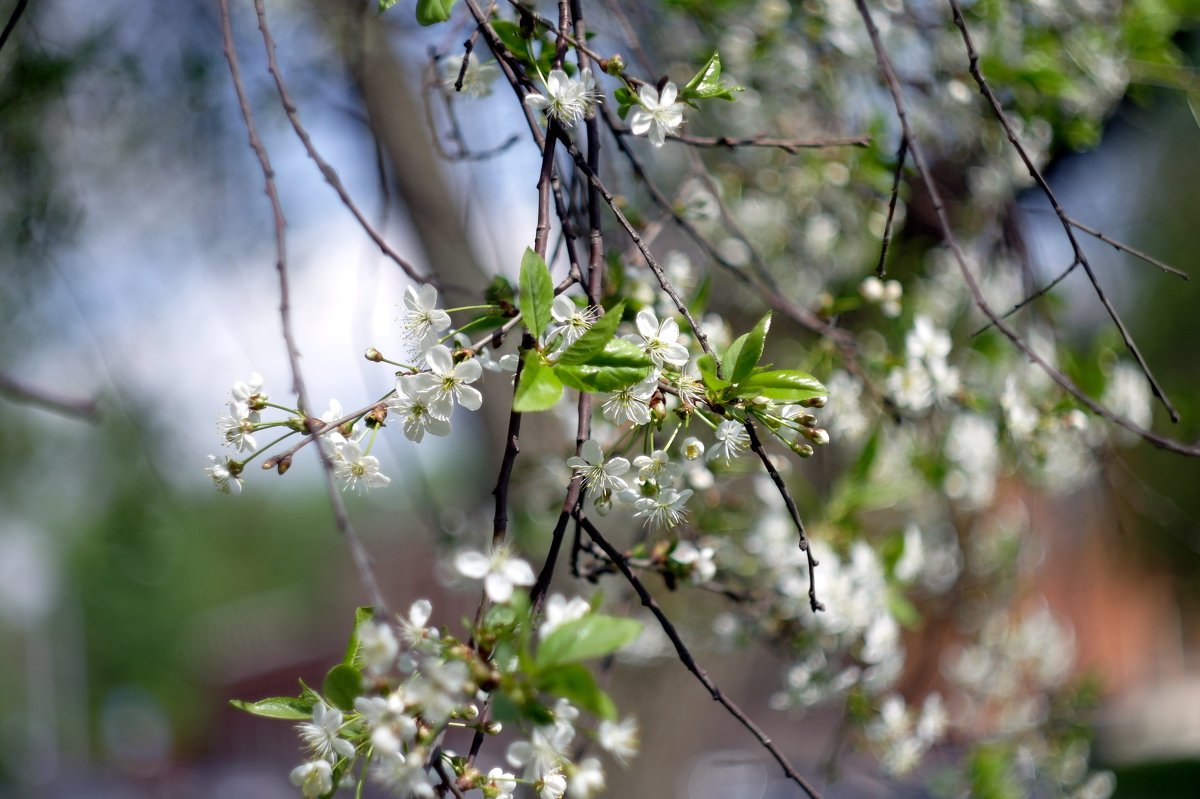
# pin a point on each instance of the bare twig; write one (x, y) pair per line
(791, 146)
(1117, 245)
(327, 171)
(901, 155)
(87, 409)
(13, 19)
(358, 553)
(757, 446)
(1035, 173)
(1033, 296)
(689, 662)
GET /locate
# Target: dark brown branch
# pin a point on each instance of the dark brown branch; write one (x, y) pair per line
(901, 155)
(689, 662)
(1035, 173)
(327, 171)
(790, 146)
(757, 446)
(86, 409)
(1116, 245)
(925, 175)
(362, 561)
(13, 19)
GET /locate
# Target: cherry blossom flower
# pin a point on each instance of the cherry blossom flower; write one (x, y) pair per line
(377, 646)
(447, 380)
(419, 319)
(322, 734)
(501, 781)
(405, 776)
(413, 631)
(693, 448)
(660, 340)
(567, 100)
(237, 427)
(657, 467)
(359, 471)
(250, 393)
(223, 478)
(731, 441)
(632, 404)
(665, 510)
(572, 320)
(314, 779)
(699, 561)
(587, 779)
(619, 739)
(421, 412)
(552, 785)
(599, 476)
(500, 572)
(546, 748)
(656, 114)
(559, 610)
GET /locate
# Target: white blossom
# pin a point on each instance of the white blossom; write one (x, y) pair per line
(599, 476)
(552, 785)
(447, 380)
(587, 779)
(504, 783)
(237, 429)
(359, 471)
(559, 610)
(665, 510)
(659, 340)
(619, 739)
(571, 320)
(322, 735)
(500, 572)
(543, 752)
(377, 646)
(224, 479)
(419, 319)
(567, 100)
(699, 561)
(405, 776)
(657, 114)
(421, 412)
(632, 404)
(314, 779)
(731, 441)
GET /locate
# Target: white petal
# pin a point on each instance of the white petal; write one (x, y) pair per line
(519, 572)
(468, 371)
(591, 452)
(427, 295)
(420, 612)
(473, 564)
(648, 96)
(562, 308)
(439, 359)
(647, 323)
(536, 101)
(469, 398)
(669, 93)
(640, 121)
(499, 588)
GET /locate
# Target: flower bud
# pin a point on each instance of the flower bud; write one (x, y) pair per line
(377, 416)
(693, 448)
(817, 435)
(613, 66)
(469, 712)
(373, 354)
(285, 463)
(604, 504)
(815, 402)
(802, 449)
(493, 728)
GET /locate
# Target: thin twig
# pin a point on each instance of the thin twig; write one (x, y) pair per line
(86, 409)
(327, 171)
(358, 553)
(13, 18)
(1035, 173)
(1117, 245)
(924, 173)
(901, 155)
(689, 662)
(1033, 296)
(790, 146)
(757, 446)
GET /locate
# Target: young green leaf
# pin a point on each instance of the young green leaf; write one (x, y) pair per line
(277, 707)
(431, 12)
(361, 616)
(743, 354)
(537, 292)
(575, 683)
(592, 343)
(384, 5)
(708, 373)
(626, 99)
(619, 365)
(342, 685)
(785, 385)
(593, 636)
(707, 84)
(538, 389)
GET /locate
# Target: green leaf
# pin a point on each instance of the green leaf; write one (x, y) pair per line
(342, 685)
(592, 343)
(575, 683)
(785, 385)
(384, 5)
(431, 12)
(743, 354)
(619, 365)
(708, 373)
(361, 616)
(277, 707)
(593, 636)
(707, 84)
(626, 99)
(537, 292)
(538, 389)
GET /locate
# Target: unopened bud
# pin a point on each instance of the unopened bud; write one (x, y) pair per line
(815, 402)
(377, 416)
(604, 504)
(469, 712)
(613, 66)
(802, 449)
(285, 463)
(269, 464)
(817, 435)
(493, 728)
(373, 354)
(693, 448)
(235, 467)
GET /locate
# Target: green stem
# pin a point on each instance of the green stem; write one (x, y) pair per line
(261, 450)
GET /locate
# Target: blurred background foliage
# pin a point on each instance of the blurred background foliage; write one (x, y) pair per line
(134, 601)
